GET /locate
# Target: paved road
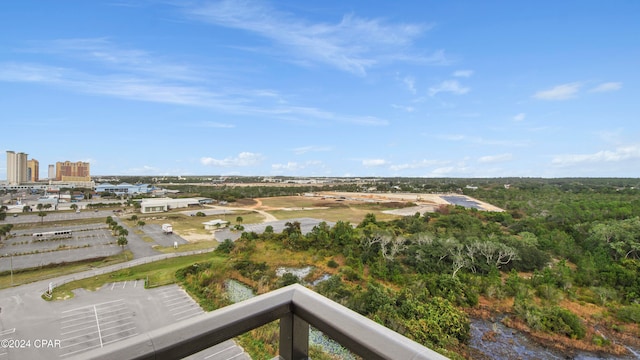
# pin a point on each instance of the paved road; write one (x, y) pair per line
(22, 251)
(91, 319)
(138, 247)
(117, 311)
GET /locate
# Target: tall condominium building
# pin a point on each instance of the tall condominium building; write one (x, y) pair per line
(51, 175)
(72, 171)
(33, 170)
(16, 167)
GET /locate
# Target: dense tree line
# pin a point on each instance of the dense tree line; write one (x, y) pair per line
(556, 240)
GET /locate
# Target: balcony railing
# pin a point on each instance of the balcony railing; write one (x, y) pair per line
(295, 306)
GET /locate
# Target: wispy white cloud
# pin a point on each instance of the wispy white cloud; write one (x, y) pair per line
(442, 171)
(289, 166)
(620, 154)
(417, 165)
(607, 87)
(306, 149)
(143, 170)
(130, 85)
(106, 53)
(463, 73)
(519, 117)
(448, 86)
(495, 158)
(243, 159)
(374, 162)
(404, 108)
(214, 124)
(483, 141)
(410, 82)
(292, 167)
(559, 92)
(353, 44)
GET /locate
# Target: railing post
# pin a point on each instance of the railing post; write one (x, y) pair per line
(294, 338)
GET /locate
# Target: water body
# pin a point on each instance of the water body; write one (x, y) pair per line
(512, 344)
(462, 201)
(506, 344)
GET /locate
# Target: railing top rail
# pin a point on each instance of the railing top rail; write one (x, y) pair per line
(354, 331)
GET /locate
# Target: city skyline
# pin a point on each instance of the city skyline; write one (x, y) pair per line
(324, 88)
(22, 170)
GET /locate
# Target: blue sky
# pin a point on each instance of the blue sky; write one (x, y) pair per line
(324, 88)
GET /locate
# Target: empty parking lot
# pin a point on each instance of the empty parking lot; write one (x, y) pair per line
(37, 329)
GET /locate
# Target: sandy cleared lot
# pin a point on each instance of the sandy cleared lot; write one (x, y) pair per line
(424, 202)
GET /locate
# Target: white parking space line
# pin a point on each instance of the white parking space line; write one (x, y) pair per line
(121, 338)
(219, 352)
(182, 312)
(175, 301)
(172, 295)
(91, 306)
(4, 334)
(233, 357)
(79, 336)
(184, 305)
(98, 324)
(93, 326)
(178, 318)
(78, 324)
(7, 332)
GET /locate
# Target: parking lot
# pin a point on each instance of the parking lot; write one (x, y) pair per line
(91, 320)
(23, 250)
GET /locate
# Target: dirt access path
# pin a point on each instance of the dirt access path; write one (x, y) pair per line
(256, 207)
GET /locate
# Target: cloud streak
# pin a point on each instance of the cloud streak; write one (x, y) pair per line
(620, 154)
(306, 149)
(495, 158)
(448, 86)
(134, 75)
(353, 44)
(607, 87)
(374, 162)
(559, 92)
(242, 160)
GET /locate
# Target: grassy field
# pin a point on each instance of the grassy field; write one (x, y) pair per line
(294, 201)
(156, 273)
(330, 210)
(184, 224)
(61, 223)
(31, 275)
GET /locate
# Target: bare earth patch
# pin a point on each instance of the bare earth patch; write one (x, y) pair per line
(196, 237)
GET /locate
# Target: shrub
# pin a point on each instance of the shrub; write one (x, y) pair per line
(288, 279)
(630, 314)
(332, 264)
(225, 247)
(350, 274)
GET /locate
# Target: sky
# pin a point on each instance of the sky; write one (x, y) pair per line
(327, 88)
